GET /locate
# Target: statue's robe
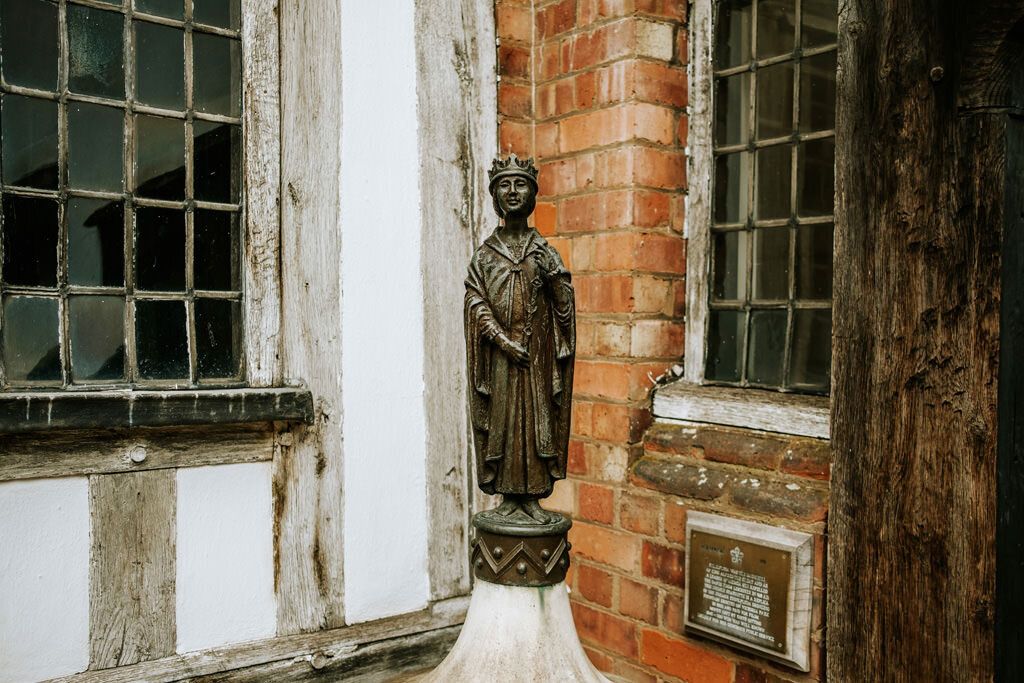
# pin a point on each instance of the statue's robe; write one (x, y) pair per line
(520, 415)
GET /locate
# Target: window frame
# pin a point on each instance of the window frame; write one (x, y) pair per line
(691, 397)
(262, 393)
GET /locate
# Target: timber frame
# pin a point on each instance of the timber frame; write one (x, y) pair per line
(924, 556)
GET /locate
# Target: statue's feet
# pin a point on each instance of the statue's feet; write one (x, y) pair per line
(532, 508)
(507, 507)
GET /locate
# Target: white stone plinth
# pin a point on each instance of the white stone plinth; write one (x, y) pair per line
(517, 635)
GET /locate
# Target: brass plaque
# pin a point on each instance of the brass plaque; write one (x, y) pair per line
(740, 590)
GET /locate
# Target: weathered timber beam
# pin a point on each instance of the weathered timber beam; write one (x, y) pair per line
(40, 411)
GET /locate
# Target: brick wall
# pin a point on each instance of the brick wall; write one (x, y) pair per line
(596, 91)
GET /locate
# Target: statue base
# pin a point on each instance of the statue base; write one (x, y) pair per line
(509, 552)
(517, 634)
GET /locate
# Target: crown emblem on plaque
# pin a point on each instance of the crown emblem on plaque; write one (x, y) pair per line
(737, 555)
(512, 165)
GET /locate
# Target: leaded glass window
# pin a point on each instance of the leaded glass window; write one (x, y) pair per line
(121, 180)
(770, 307)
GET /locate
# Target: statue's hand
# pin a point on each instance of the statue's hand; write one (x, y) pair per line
(514, 350)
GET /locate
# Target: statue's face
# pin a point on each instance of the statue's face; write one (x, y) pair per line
(515, 196)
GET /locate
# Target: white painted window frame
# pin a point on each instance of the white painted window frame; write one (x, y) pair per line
(689, 399)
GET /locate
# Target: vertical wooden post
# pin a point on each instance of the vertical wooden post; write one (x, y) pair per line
(920, 183)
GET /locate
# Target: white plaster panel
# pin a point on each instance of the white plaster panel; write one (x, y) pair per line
(382, 314)
(225, 556)
(44, 578)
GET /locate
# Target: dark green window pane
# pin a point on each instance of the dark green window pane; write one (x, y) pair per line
(96, 52)
(28, 41)
(95, 147)
(159, 65)
(725, 345)
(30, 227)
(95, 242)
(771, 263)
(732, 109)
(814, 262)
(819, 22)
(218, 338)
(811, 357)
(775, 101)
(216, 250)
(31, 350)
(818, 93)
(732, 33)
(160, 249)
(816, 174)
(159, 157)
(767, 347)
(729, 265)
(218, 162)
(731, 173)
(173, 9)
(97, 337)
(222, 13)
(29, 141)
(217, 74)
(774, 181)
(161, 341)
(776, 27)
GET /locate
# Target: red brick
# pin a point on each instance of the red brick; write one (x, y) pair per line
(808, 458)
(516, 137)
(780, 498)
(577, 463)
(602, 379)
(515, 100)
(610, 632)
(596, 503)
(594, 584)
(621, 123)
(657, 339)
(628, 672)
(555, 19)
(608, 461)
(514, 22)
(675, 520)
(683, 47)
(599, 659)
(672, 612)
(564, 248)
(676, 657)
(745, 673)
(557, 177)
(653, 294)
(638, 601)
(514, 61)
(682, 130)
(604, 294)
(661, 84)
(582, 418)
(611, 339)
(614, 422)
(548, 60)
(613, 548)
(545, 218)
(661, 254)
(664, 564)
(640, 513)
(546, 139)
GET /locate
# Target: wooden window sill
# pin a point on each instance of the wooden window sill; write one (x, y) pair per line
(769, 411)
(43, 411)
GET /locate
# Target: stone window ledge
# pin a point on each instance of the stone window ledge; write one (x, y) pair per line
(109, 409)
(768, 411)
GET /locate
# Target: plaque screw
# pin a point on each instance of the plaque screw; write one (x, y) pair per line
(499, 553)
(137, 454)
(545, 554)
(937, 73)
(521, 567)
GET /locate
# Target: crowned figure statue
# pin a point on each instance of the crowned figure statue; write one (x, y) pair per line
(520, 324)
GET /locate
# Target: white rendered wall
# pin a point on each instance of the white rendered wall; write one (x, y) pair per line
(382, 314)
(44, 578)
(225, 556)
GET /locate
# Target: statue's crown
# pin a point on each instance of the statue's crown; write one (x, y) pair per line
(513, 165)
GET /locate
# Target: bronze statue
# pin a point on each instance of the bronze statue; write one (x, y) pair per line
(520, 319)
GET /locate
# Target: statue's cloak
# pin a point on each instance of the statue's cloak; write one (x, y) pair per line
(520, 415)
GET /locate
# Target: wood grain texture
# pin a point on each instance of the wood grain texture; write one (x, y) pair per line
(457, 113)
(131, 568)
(920, 185)
(768, 411)
(75, 453)
(262, 168)
(45, 411)
(700, 163)
(308, 471)
(302, 648)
